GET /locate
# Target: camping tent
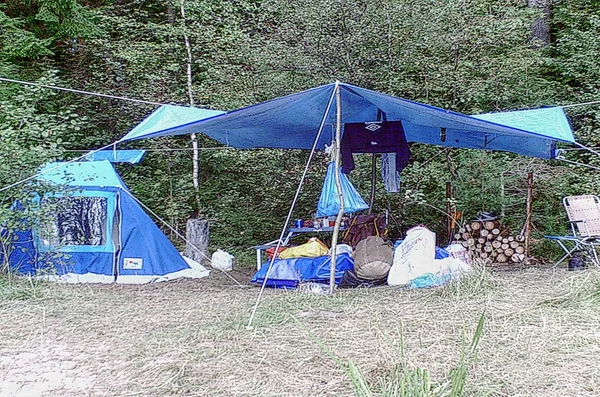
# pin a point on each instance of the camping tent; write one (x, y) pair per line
(316, 117)
(97, 233)
(294, 121)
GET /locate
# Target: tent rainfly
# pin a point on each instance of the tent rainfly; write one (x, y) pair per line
(97, 233)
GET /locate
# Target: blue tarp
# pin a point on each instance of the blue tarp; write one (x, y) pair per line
(100, 234)
(288, 273)
(329, 202)
(292, 122)
(551, 122)
(167, 117)
(117, 156)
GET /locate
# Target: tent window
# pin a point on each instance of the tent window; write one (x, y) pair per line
(78, 220)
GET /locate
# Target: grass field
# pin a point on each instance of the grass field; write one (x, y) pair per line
(541, 337)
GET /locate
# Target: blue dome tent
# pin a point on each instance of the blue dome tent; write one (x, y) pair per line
(97, 233)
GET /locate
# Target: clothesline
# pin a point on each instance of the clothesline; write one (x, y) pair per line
(55, 87)
(164, 150)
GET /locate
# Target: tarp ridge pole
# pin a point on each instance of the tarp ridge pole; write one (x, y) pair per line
(338, 184)
(289, 215)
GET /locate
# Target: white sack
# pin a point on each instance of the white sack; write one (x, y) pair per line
(222, 260)
(414, 257)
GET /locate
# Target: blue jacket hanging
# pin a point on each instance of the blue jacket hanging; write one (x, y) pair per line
(329, 203)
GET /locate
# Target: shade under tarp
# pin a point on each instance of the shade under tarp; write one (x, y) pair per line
(292, 122)
(167, 117)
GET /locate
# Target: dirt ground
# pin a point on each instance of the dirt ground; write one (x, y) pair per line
(189, 337)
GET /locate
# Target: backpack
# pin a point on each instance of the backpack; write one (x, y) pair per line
(362, 226)
(373, 258)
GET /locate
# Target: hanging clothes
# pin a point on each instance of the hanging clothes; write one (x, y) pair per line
(389, 174)
(374, 137)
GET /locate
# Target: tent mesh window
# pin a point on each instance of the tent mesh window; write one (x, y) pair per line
(75, 221)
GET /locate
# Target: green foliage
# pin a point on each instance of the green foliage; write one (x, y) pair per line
(471, 56)
(35, 126)
(31, 30)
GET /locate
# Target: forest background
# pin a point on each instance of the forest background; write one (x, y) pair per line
(470, 56)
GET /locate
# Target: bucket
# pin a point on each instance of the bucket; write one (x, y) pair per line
(576, 262)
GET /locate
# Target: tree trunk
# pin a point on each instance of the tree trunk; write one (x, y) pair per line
(197, 236)
(540, 28)
(195, 151)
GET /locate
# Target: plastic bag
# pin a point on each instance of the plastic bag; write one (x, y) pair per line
(313, 247)
(271, 251)
(429, 280)
(329, 202)
(414, 257)
(222, 260)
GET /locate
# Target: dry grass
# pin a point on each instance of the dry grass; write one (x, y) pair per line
(189, 338)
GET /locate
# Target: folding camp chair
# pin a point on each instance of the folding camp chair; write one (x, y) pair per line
(584, 216)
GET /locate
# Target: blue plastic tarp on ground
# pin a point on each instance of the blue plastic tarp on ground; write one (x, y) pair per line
(288, 273)
(292, 122)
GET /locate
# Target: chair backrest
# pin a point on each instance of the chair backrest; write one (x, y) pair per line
(584, 214)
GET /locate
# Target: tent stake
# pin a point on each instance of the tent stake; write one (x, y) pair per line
(338, 185)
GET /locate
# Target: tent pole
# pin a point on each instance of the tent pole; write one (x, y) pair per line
(338, 184)
(373, 181)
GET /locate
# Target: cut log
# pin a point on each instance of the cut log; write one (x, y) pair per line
(513, 244)
(504, 246)
(495, 231)
(510, 238)
(499, 250)
(496, 244)
(479, 246)
(483, 255)
(504, 240)
(468, 228)
(488, 248)
(457, 236)
(475, 226)
(501, 258)
(461, 230)
(466, 235)
(465, 244)
(484, 232)
(520, 249)
(489, 225)
(520, 238)
(515, 258)
(509, 252)
(471, 241)
(197, 236)
(481, 240)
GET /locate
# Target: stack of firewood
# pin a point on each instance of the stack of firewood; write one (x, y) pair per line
(488, 240)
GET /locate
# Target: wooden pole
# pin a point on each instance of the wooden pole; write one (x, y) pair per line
(373, 180)
(528, 217)
(338, 184)
(449, 214)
